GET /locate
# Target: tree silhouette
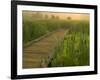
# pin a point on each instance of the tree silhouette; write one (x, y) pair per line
(57, 17)
(38, 15)
(68, 18)
(53, 17)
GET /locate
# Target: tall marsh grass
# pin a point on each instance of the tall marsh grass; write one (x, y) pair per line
(74, 51)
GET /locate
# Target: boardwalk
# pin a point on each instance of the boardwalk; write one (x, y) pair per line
(40, 53)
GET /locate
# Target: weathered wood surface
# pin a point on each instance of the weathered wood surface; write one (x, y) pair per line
(40, 53)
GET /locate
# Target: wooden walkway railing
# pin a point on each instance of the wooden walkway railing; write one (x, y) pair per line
(40, 53)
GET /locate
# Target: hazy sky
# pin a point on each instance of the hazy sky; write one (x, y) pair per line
(74, 16)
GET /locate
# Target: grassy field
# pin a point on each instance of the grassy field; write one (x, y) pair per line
(34, 28)
(74, 51)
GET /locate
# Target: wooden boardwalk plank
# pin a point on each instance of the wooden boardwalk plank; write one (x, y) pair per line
(40, 53)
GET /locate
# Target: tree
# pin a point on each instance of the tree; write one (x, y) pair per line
(53, 17)
(68, 18)
(57, 17)
(38, 15)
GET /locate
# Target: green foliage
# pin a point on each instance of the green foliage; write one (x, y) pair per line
(33, 29)
(74, 51)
